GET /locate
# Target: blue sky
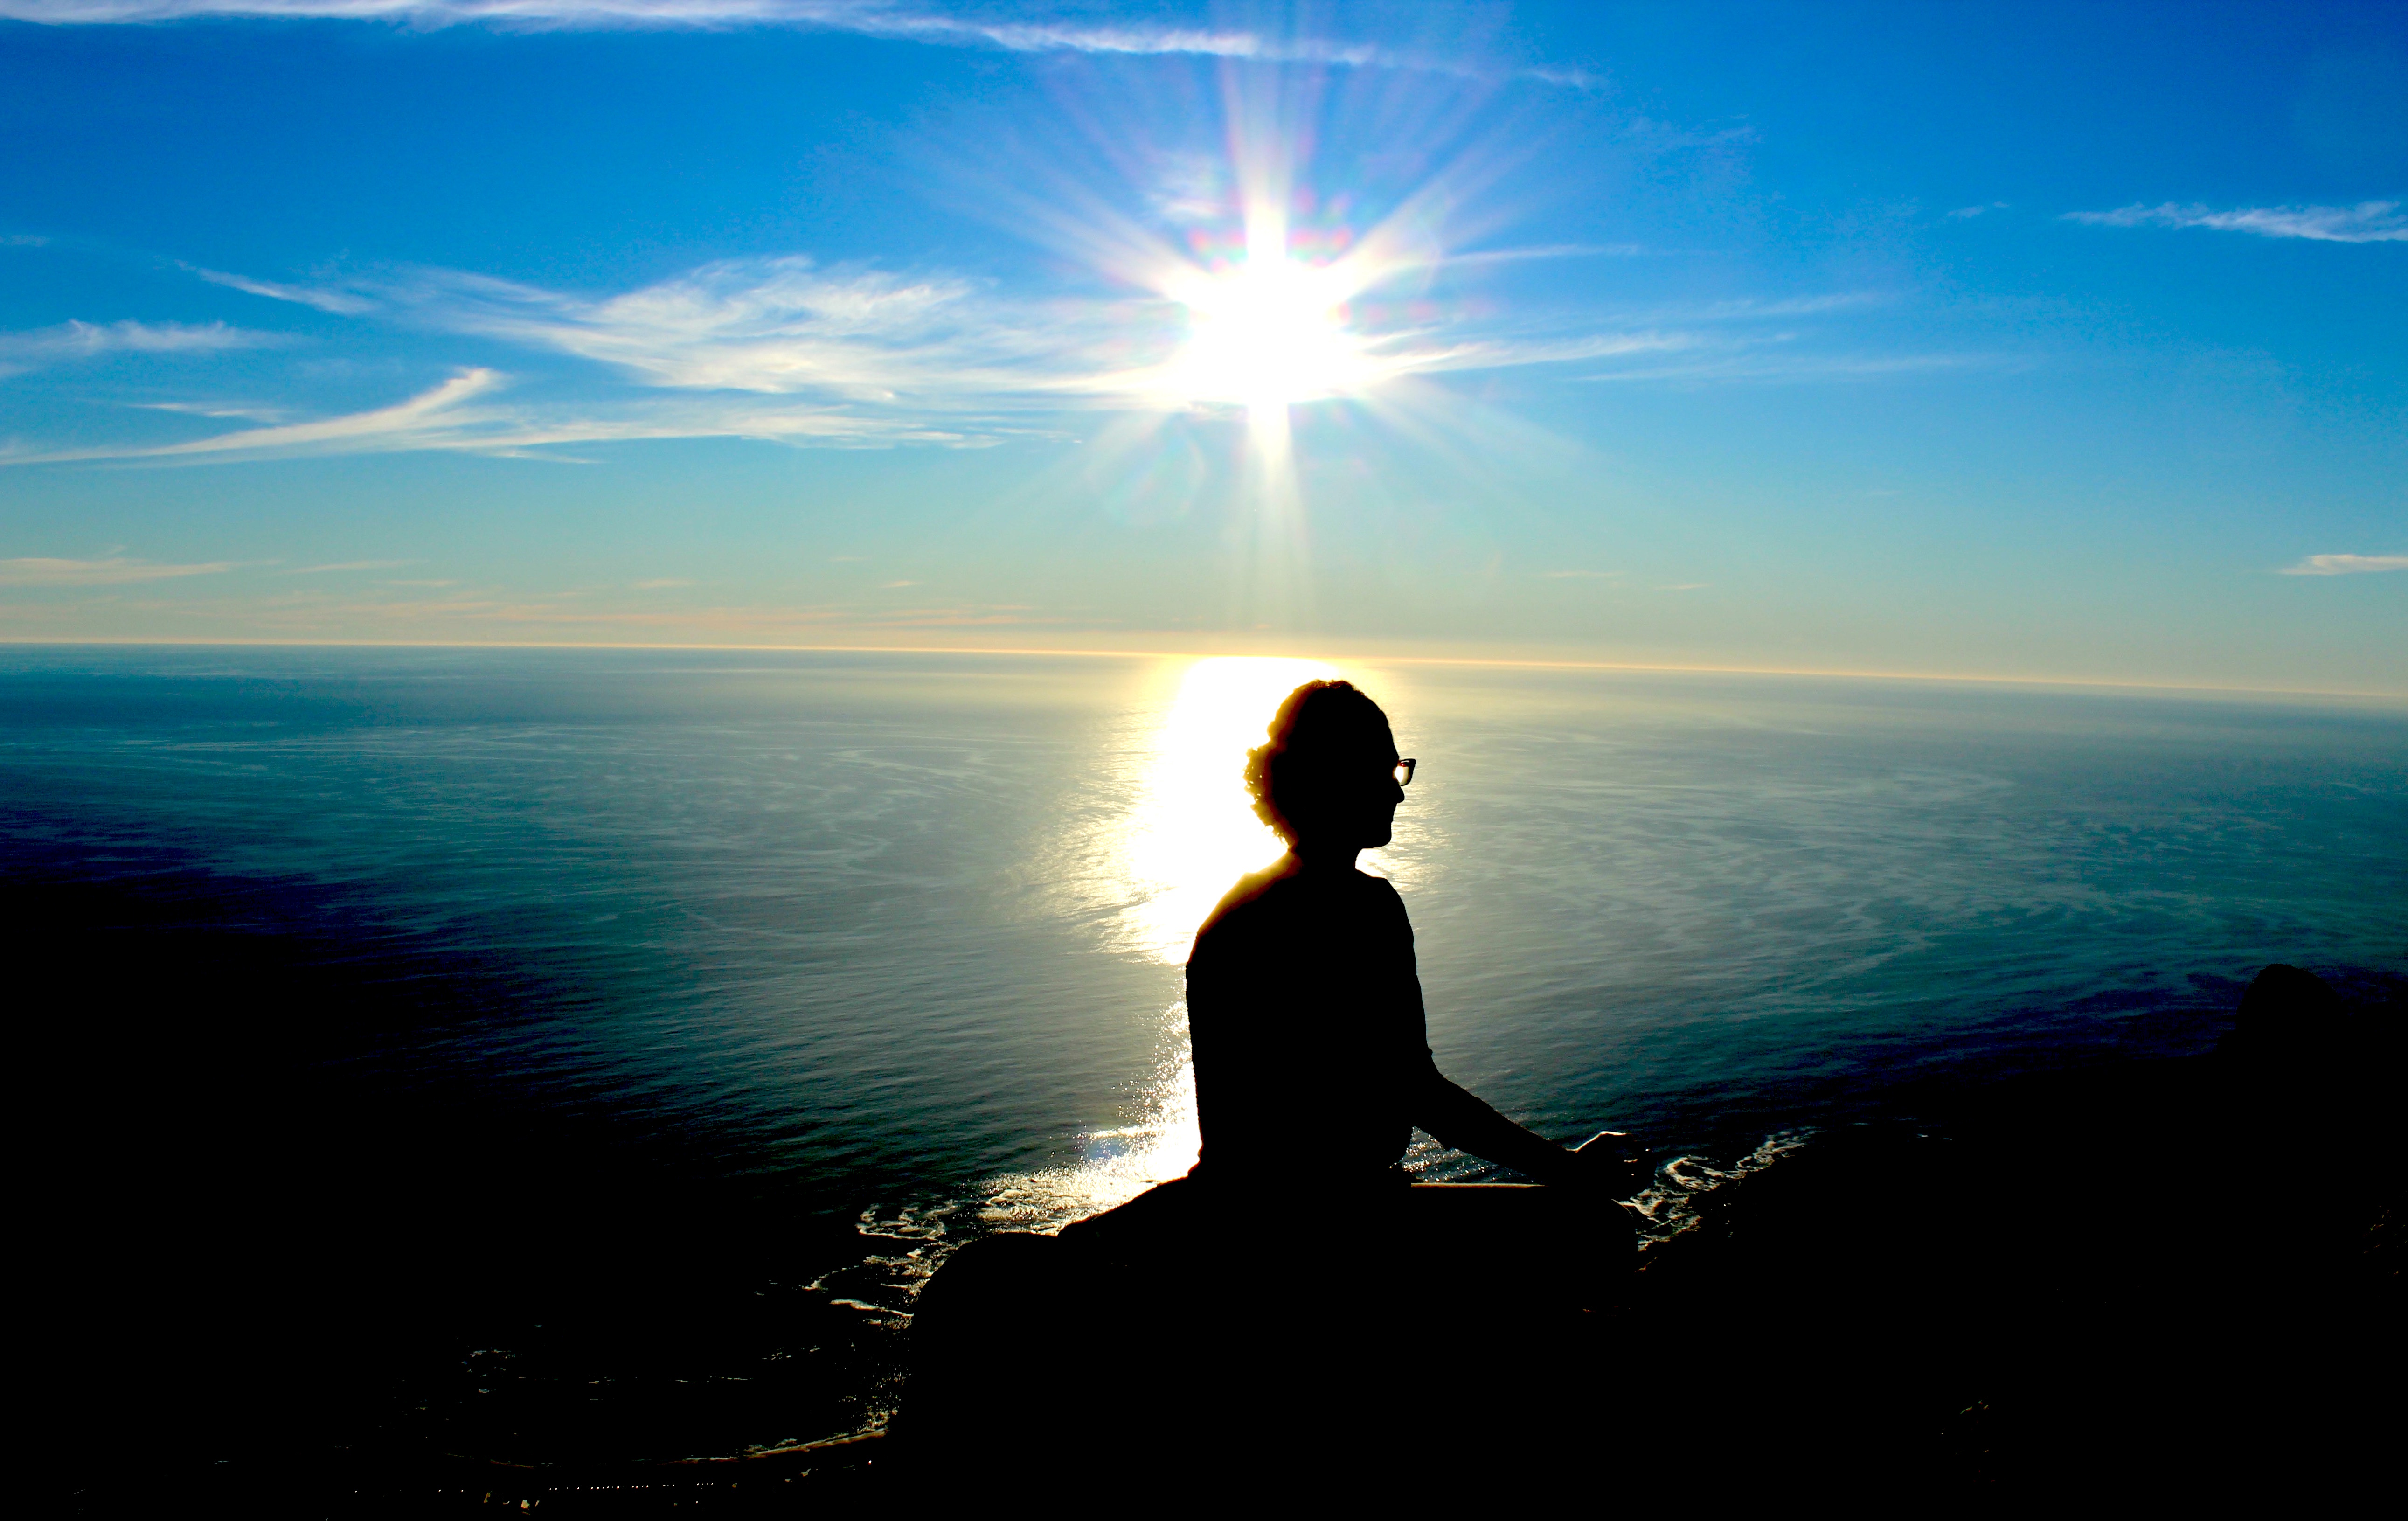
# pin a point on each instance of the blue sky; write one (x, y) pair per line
(2056, 342)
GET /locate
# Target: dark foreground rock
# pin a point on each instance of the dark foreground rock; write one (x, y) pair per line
(2144, 1279)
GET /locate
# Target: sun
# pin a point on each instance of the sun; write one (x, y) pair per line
(1268, 332)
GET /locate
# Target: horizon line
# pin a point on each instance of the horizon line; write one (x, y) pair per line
(1531, 663)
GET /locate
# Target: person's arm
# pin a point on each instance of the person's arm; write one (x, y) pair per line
(1456, 1118)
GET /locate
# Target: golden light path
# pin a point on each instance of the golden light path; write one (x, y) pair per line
(1267, 330)
(1187, 834)
(1193, 831)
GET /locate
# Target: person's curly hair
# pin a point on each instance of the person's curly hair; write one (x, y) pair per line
(1315, 723)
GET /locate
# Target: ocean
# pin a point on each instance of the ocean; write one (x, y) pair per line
(533, 1053)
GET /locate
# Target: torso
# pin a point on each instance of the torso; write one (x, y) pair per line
(1305, 1014)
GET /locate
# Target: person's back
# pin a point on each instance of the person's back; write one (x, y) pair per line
(1305, 1017)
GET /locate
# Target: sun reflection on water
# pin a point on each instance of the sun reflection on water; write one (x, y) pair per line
(1193, 831)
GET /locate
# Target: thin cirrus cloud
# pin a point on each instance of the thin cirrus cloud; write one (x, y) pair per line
(341, 302)
(23, 350)
(1745, 363)
(782, 350)
(422, 421)
(463, 414)
(110, 571)
(1008, 30)
(783, 326)
(2369, 221)
(2345, 564)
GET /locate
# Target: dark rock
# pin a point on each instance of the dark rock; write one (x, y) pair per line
(2286, 1014)
(2167, 1279)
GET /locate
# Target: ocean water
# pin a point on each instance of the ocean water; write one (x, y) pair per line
(884, 949)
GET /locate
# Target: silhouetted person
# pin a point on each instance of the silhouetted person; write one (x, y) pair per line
(1296, 1266)
(1312, 1065)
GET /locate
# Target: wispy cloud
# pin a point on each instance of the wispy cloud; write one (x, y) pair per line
(112, 571)
(2369, 221)
(1005, 32)
(347, 565)
(462, 414)
(2345, 564)
(1514, 352)
(24, 350)
(341, 302)
(1741, 363)
(782, 349)
(1546, 251)
(1752, 309)
(1579, 575)
(1967, 213)
(429, 420)
(784, 325)
(221, 411)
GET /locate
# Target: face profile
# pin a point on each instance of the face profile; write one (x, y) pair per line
(1328, 778)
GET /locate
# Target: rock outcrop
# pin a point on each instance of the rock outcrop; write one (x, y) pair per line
(2165, 1277)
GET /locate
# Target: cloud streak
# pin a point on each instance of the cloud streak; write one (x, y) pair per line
(869, 18)
(433, 419)
(113, 572)
(2369, 221)
(24, 350)
(1741, 364)
(341, 303)
(463, 415)
(781, 348)
(2345, 564)
(783, 326)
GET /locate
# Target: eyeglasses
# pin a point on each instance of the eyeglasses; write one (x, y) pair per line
(1403, 771)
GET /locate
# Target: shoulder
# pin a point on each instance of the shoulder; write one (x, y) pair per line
(1381, 893)
(1382, 910)
(1253, 901)
(1240, 903)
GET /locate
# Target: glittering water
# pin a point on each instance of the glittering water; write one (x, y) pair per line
(893, 940)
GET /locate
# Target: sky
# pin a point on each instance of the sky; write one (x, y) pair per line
(2057, 342)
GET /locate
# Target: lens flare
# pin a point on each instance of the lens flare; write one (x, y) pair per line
(1269, 332)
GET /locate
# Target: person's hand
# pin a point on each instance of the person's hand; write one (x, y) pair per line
(1612, 1161)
